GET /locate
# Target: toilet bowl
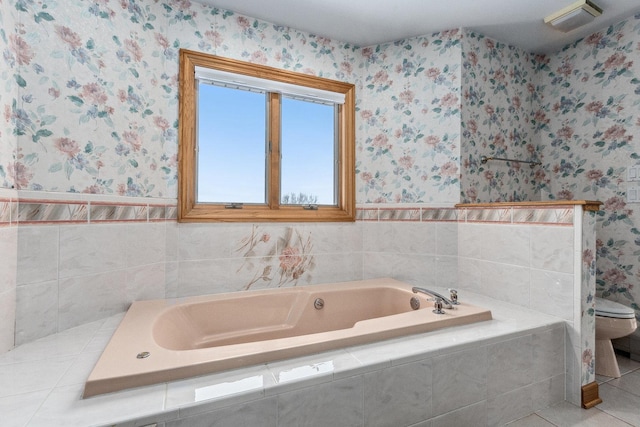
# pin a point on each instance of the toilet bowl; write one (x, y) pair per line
(613, 320)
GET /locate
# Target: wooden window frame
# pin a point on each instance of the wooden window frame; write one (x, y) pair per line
(191, 211)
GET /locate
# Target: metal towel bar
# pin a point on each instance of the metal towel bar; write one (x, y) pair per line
(485, 159)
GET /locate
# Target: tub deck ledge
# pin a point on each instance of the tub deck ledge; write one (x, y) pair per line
(45, 378)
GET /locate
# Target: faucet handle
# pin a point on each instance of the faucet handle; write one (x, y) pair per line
(453, 296)
(437, 306)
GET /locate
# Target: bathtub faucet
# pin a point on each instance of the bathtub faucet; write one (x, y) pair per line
(448, 304)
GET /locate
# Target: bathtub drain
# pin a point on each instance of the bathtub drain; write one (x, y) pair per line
(318, 303)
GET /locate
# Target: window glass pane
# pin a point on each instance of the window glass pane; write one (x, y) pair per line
(308, 153)
(231, 143)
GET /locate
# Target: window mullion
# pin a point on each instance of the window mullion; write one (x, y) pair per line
(274, 152)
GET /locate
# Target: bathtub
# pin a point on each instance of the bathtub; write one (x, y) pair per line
(165, 340)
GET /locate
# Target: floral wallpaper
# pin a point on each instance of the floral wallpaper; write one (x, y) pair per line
(589, 136)
(96, 110)
(8, 41)
(97, 105)
(408, 133)
(499, 95)
(587, 297)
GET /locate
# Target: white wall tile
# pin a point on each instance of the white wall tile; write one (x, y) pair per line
(341, 267)
(416, 269)
(7, 324)
(144, 243)
(263, 412)
(447, 238)
(470, 274)
(447, 272)
(8, 258)
(36, 311)
(471, 240)
(213, 241)
(211, 276)
(172, 236)
(171, 279)
(459, 379)
(552, 293)
(472, 415)
(552, 248)
(309, 406)
(509, 406)
(507, 244)
(509, 365)
(92, 249)
(377, 236)
(399, 395)
(145, 282)
(88, 298)
(330, 238)
(548, 392)
(505, 282)
(37, 254)
(377, 264)
(413, 238)
(548, 353)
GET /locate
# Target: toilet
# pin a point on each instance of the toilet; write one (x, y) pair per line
(613, 320)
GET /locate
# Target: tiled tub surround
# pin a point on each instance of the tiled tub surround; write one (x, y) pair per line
(70, 274)
(484, 374)
(548, 267)
(82, 258)
(8, 267)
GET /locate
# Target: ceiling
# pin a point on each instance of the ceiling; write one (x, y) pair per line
(371, 22)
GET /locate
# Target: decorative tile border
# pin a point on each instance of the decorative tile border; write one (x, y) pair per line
(34, 211)
(543, 215)
(486, 215)
(5, 212)
(439, 214)
(561, 216)
(49, 211)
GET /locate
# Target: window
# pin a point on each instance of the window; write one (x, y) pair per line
(263, 144)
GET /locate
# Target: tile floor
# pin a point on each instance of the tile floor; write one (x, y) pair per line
(620, 404)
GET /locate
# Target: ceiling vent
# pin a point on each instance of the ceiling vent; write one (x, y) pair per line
(576, 15)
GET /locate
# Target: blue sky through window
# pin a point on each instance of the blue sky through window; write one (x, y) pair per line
(308, 152)
(232, 149)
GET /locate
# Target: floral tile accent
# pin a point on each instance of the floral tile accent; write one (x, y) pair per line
(289, 261)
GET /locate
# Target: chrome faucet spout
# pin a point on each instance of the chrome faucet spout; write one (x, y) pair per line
(448, 304)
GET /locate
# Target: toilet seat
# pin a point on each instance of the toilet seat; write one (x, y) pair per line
(608, 308)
